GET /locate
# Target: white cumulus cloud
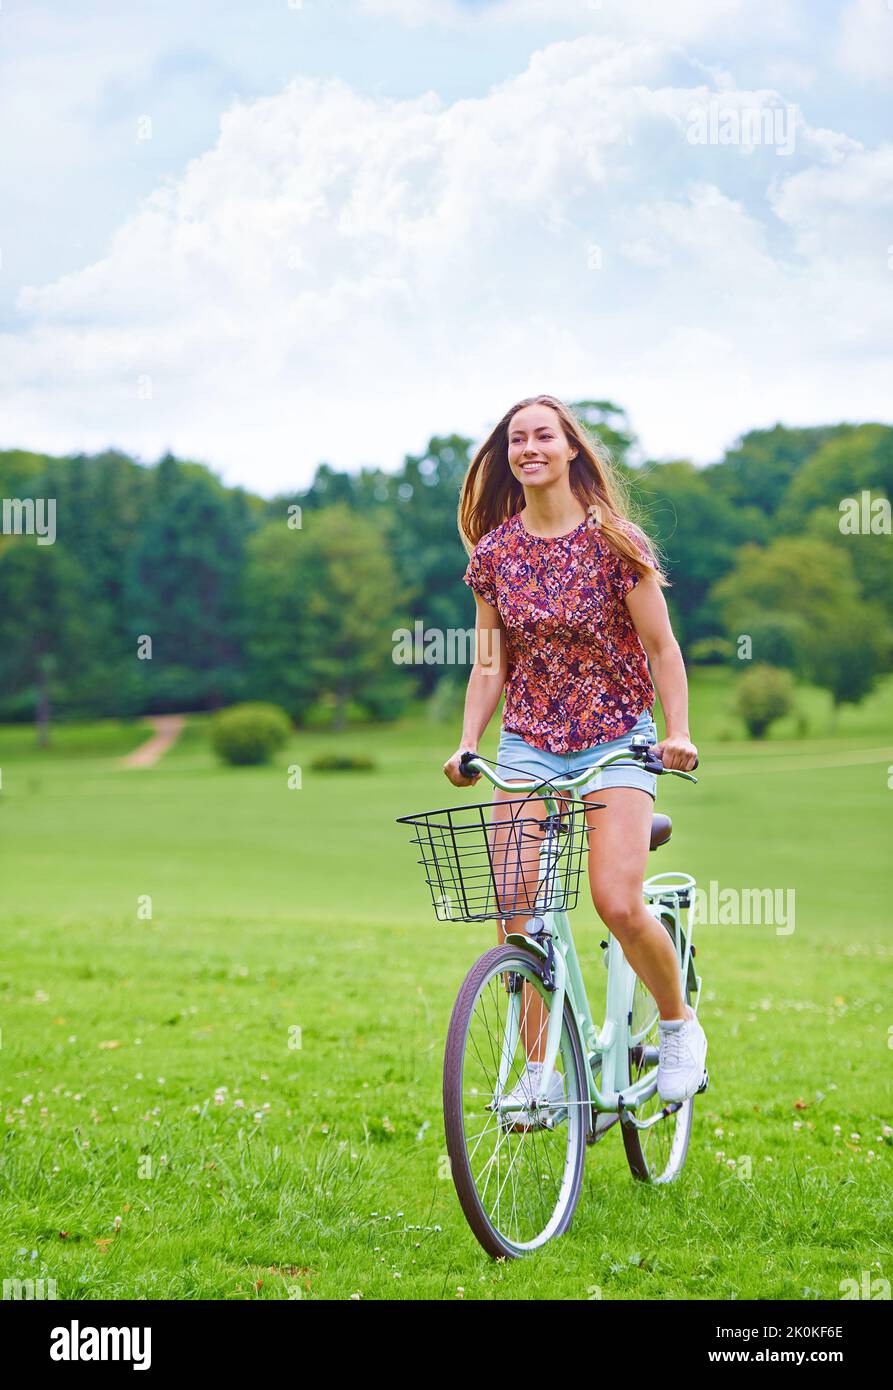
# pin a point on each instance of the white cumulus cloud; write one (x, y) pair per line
(342, 275)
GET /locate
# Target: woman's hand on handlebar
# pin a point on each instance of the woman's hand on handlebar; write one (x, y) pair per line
(676, 752)
(452, 773)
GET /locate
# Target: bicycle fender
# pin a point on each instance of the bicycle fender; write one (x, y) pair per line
(517, 938)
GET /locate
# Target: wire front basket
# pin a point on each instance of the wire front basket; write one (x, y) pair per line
(500, 860)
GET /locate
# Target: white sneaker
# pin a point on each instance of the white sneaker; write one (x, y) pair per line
(680, 1067)
(523, 1093)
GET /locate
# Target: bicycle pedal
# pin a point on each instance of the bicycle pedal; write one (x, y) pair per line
(704, 1084)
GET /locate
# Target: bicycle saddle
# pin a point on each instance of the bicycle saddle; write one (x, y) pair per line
(661, 830)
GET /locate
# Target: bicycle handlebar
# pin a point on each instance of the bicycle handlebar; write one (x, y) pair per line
(639, 751)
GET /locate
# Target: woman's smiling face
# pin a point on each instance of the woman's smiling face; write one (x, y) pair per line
(538, 449)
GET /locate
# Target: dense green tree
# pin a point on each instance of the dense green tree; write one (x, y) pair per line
(758, 471)
(280, 572)
(856, 458)
(183, 586)
(321, 603)
(698, 532)
(354, 607)
(609, 423)
(45, 631)
(871, 555)
(237, 612)
(838, 640)
(425, 545)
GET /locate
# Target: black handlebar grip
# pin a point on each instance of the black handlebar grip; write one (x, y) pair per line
(652, 763)
(465, 770)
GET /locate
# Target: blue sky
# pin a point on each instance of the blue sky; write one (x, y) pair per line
(266, 235)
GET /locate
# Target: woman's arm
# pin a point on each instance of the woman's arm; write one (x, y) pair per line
(648, 610)
(488, 675)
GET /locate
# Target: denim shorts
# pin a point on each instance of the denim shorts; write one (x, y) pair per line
(539, 762)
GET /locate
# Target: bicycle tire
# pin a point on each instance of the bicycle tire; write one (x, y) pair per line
(651, 1159)
(496, 1241)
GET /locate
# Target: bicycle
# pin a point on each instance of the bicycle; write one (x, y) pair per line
(516, 1148)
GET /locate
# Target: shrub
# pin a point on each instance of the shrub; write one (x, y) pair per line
(763, 695)
(250, 733)
(711, 651)
(342, 762)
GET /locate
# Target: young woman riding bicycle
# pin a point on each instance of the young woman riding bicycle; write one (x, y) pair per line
(569, 606)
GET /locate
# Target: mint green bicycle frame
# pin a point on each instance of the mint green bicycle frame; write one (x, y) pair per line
(605, 1048)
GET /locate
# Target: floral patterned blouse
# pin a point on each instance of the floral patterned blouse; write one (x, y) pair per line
(577, 670)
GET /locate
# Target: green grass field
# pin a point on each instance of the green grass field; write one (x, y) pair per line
(166, 1137)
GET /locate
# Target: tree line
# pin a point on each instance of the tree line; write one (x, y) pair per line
(165, 590)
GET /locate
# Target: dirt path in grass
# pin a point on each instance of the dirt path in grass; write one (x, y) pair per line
(168, 728)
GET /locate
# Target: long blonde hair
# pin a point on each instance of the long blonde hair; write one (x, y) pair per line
(491, 493)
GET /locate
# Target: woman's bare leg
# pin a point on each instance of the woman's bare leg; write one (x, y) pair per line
(506, 846)
(618, 855)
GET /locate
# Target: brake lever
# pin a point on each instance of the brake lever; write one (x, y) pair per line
(652, 763)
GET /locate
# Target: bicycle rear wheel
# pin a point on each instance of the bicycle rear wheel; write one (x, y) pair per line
(517, 1173)
(658, 1153)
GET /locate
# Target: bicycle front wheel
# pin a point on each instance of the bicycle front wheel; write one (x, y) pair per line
(517, 1167)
